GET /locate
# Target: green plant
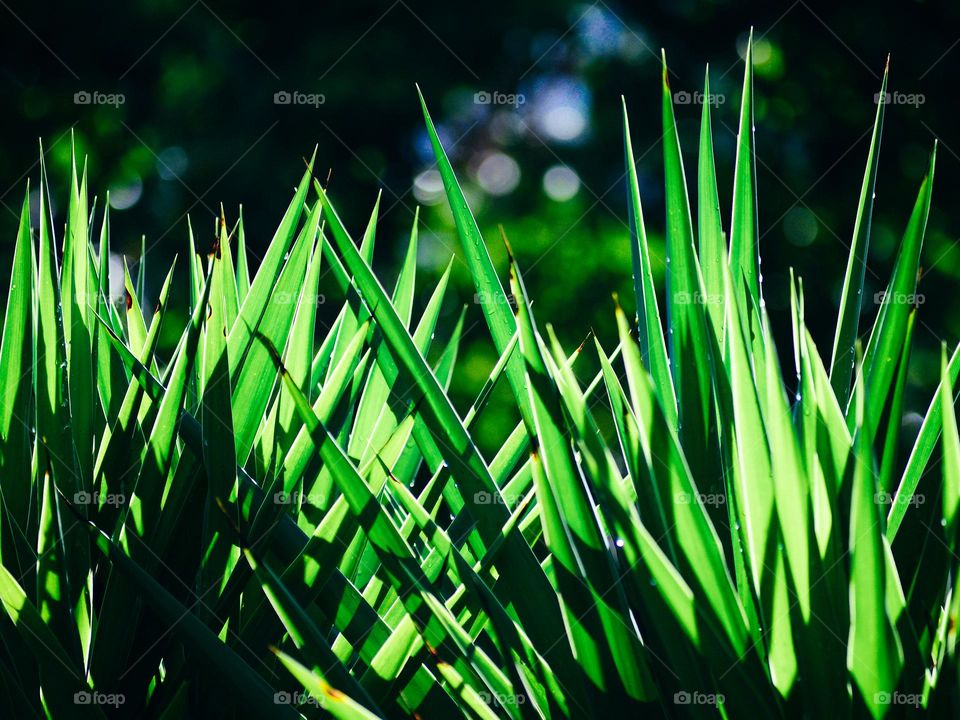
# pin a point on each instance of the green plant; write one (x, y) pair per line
(272, 524)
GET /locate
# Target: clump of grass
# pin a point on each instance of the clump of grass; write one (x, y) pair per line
(274, 523)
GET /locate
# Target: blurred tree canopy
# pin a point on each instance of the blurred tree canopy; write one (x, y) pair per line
(181, 106)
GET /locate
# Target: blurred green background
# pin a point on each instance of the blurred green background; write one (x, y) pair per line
(181, 106)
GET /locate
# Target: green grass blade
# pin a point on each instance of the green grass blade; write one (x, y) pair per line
(402, 571)
(231, 299)
(18, 495)
(851, 299)
(599, 636)
(652, 346)
(136, 325)
(521, 573)
(111, 380)
(889, 331)
(951, 448)
(142, 267)
(153, 490)
(494, 304)
(245, 688)
(669, 497)
(755, 498)
(243, 269)
(62, 589)
(891, 438)
(305, 635)
(332, 700)
(353, 312)
(689, 360)
(125, 425)
(63, 679)
(79, 301)
(216, 417)
(712, 245)
(256, 301)
(252, 372)
(744, 233)
(791, 489)
(920, 454)
(298, 354)
(874, 655)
